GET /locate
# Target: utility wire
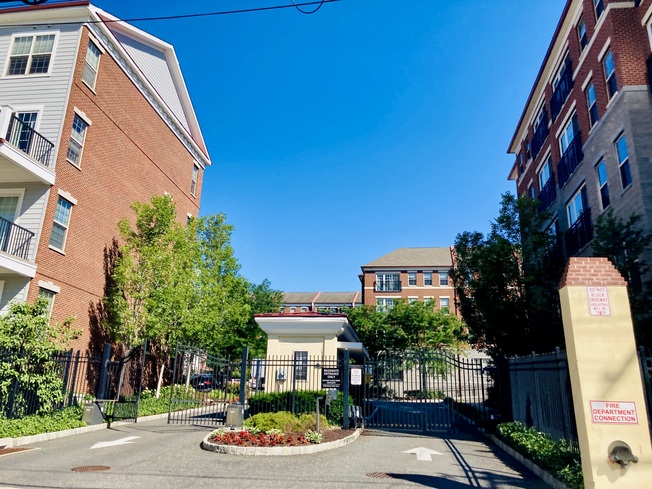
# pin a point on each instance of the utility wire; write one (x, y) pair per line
(317, 3)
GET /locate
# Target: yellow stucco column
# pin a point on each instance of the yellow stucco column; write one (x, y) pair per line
(605, 375)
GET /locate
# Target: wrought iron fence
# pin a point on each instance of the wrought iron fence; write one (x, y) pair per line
(30, 141)
(14, 239)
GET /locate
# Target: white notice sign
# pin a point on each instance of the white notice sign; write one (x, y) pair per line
(614, 412)
(598, 301)
(356, 376)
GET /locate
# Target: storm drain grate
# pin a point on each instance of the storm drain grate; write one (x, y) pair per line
(91, 468)
(379, 475)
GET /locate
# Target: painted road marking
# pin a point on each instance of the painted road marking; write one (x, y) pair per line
(121, 441)
(424, 454)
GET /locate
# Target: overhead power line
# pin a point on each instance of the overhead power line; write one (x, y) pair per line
(296, 5)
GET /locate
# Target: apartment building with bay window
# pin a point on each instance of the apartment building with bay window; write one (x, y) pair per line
(582, 144)
(94, 115)
(413, 274)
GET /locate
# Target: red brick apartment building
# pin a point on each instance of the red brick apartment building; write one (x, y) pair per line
(94, 115)
(415, 274)
(583, 142)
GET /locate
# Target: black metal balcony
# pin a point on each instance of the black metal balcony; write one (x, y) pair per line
(540, 134)
(580, 233)
(29, 141)
(14, 240)
(563, 90)
(570, 160)
(548, 194)
(388, 286)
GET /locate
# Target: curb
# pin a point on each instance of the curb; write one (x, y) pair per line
(277, 451)
(538, 471)
(28, 440)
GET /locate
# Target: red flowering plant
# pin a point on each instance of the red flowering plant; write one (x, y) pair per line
(244, 438)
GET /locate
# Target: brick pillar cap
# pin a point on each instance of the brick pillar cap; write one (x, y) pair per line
(591, 272)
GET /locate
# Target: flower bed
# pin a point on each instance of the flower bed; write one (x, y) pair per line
(247, 439)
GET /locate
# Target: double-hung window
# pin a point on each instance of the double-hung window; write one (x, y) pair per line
(48, 295)
(77, 137)
(30, 55)
(601, 169)
(623, 161)
(598, 6)
(412, 278)
(61, 223)
(592, 104)
(444, 304)
(568, 134)
(582, 36)
(443, 279)
(427, 278)
(575, 208)
(384, 304)
(610, 74)
(92, 64)
(545, 173)
(193, 179)
(300, 365)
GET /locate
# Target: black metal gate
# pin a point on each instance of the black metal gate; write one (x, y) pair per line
(201, 387)
(426, 391)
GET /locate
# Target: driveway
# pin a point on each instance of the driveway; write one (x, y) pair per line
(153, 454)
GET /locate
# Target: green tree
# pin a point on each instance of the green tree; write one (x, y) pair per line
(506, 282)
(28, 371)
(625, 244)
(407, 325)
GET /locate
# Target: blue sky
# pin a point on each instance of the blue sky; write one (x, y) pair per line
(370, 125)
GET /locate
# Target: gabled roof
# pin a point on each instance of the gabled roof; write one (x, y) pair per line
(299, 297)
(414, 258)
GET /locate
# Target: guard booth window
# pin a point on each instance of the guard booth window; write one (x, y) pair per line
(300, 365)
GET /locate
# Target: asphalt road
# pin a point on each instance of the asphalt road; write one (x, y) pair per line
(152, 454)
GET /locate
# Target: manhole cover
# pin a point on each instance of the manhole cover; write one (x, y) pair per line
(91, 468)
(379, 475)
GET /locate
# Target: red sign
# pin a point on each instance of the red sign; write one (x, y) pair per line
(614, 412)
(599, 301)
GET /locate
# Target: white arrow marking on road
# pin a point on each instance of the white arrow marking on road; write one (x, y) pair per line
(122, 441)
(424, 454)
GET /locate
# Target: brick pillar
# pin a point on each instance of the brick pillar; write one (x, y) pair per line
(605, 374)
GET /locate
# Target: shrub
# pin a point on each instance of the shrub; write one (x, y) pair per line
(557, 457)
(282, 420)
(303, 401)
(33, 425)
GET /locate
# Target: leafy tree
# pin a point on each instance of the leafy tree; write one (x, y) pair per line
(625, 244)
(29, 375)
(182, 283)
(506, 282)
(407, 325)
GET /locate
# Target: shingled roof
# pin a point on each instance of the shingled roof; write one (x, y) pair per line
(414, 258)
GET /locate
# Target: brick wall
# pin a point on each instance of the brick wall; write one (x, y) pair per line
(129, 154)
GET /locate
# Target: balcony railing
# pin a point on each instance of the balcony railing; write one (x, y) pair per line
(389, 286)
(540, 134)
(580, 233)
(548, 194)
(570, 160)
(563, 90)
(14, 239)
(29, 141)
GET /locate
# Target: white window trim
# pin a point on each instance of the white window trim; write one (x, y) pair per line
(2, 288)
(587, 80)
(89, 123)
(99, 60)
(445, 297)
(559, 62)
(605, 48)
(49, 286)
(194, 179)
(66, 196)
(567, 118)
(31, 34)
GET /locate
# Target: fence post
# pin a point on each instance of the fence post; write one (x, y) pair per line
(345, 391)
(101, 388)
(74, 378)
(243, 374)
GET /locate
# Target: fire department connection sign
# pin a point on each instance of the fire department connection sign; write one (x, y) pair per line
(598, 301)
(613, 412)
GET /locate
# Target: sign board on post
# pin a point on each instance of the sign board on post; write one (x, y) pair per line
(331, 378)
(356, 376)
